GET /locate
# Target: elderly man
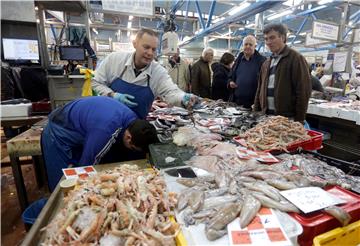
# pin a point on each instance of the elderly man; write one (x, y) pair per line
(284, 83)
(245, 73)
(134, 79)
(201, 74)
(179, 71)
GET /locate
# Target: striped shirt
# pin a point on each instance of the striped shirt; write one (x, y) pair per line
(271, 84)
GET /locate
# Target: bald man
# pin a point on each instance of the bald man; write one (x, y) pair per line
(201, 74)
(243, 79)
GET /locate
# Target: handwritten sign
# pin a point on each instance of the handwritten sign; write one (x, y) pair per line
(322, 30)
(310, 199)
(264, 229)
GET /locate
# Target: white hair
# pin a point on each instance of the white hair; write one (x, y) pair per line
(206, 51)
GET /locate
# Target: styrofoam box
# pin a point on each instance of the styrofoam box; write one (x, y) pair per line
(195, 234)
(16, 110)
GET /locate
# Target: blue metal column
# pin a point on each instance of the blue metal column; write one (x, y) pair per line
(211, 12)
(299, 30)
(202, 23)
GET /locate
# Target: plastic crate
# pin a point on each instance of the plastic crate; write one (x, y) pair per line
(348, 235)
(314, 143)
(31, 213)
(319, 222)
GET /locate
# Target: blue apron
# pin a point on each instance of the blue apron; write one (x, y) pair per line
(144, 96)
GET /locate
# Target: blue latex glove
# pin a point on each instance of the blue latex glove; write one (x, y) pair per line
(190, 100)
(126, 99)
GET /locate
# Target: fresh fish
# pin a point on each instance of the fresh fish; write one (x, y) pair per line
(188, 218)
(281, 185)
(216, 192)
(196, 200)
(216, 201)
(204, 213)
(224, 216)
(340, 214)
(270, 203)
(222, 179)
(212, 234)
(298, 179)
(264, 188)
(249, 210)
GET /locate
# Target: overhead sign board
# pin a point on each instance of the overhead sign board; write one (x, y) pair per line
(312, 42)
(325, 30)
(133, 7)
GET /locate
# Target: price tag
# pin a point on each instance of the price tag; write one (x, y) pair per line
(310, 199)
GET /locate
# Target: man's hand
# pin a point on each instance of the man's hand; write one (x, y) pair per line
(190, 100)
(232, 84)
(125, 98)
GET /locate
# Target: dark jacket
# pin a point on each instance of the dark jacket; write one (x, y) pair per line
(247, 91)
(201, 78)
(292, 86)
(220, 77)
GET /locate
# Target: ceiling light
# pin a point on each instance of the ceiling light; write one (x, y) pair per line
(302, 33)
(324, 2)
(291, 36)
(291, 2)
(286, 12)
(250, 25)
(297, 42)
(131, 17)
(95, 31)
(238, 8)
(129, 24)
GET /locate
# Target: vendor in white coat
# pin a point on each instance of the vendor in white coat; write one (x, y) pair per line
(135, 79)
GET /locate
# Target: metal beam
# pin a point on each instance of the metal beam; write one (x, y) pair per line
(299, 30)
(310, 11)
(202, 23)
(211, 12)
(254, 8)
(177, 6)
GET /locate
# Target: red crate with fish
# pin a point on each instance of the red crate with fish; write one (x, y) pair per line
(319, 222)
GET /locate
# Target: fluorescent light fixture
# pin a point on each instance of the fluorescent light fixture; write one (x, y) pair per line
(286, 12)
(36, 8)
(350, 23)
(250, 25)
(324, 2)
(95, 31)
(291, 36)
(128, 33)
(179, 12)
(297, 42)
(291, 2)
(131, 17)
(129, 24)
(238, 8)
(302, 33)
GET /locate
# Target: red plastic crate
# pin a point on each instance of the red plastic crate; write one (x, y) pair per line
(318, 222)
(314, 143)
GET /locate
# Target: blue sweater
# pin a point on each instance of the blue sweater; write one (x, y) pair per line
(87, 127)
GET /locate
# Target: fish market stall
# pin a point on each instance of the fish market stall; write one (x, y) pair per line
(341, 121)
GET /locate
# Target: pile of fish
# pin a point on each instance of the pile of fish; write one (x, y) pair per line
(274, 133)
(218, 199)
(123, 206)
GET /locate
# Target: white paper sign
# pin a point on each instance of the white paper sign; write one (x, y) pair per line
(309, 41)
(264, 229)
(340, 61)
(323, 30)
(310, 199)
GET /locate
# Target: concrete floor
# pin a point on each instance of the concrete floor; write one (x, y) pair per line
(12, 227)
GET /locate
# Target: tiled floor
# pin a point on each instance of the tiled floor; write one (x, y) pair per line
(12, 227)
